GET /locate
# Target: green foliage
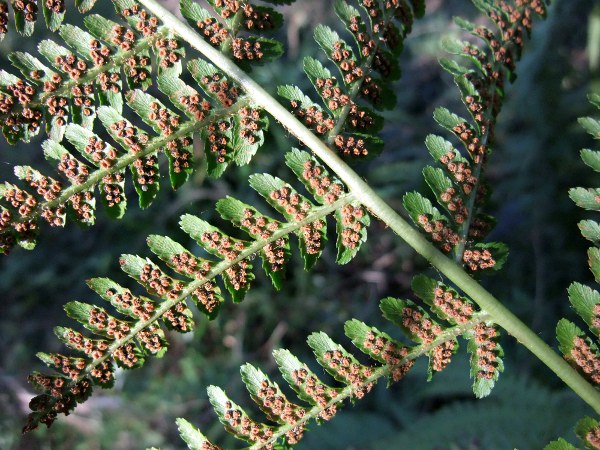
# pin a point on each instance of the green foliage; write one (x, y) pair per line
(123, 95)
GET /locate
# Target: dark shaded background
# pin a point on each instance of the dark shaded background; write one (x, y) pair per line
(535, 162)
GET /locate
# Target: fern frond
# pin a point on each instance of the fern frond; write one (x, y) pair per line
(366, 69)
(25, 14)
(128, 342)
(577, 346)
(320, 400)
(458, 183)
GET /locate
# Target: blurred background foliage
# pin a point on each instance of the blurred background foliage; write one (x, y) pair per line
(536, 160)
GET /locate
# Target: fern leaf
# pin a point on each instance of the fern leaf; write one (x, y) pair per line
(193, 437)
(127, 342)
(355, 380)
(459, 184)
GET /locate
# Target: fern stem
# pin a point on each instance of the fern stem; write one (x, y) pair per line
(382, 371)
(369, 198)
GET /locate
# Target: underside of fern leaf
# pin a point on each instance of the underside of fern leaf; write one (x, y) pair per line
(80, 93)
(391, 358)
(136, 331)
(458, 182)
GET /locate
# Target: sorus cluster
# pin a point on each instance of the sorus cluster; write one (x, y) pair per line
(102, 373)
(261, 227)
(126, 354)
(371, 90)
(150, 338)
(353, 228)
(109, 81)
(346, 62)
(20, 200)
(441, 355)
(313, 117)
(68, 396)
(133, 140)
(469, 138)
(57, 108)
(228, 249)
(593, 437)
(180, 157)
(56, 6)
(138, 68)
(246, 49)
(73, 169)
(246, 427)
(249, 124)
(278, 406)
(165, 120)
(81, 203)
(320, 183)
(228, 8)
(123, 37)
(111, 190)
(71, 367)
(350, 146)
(21, 91)
(100, 152)
(196, 105)
(333, 95)
(177, 318)
(83, 97)
(226, 93)
(213, 31)
(461, 171)
(298, 208)
(367, 45)
(207, 296)
(47, 187)
(72, 65)
(217, 140)
(452, 305)
(455, 204)
(389, 352)
(142, 309)
(28, 119)
(146, 24)
(187, 264)
(99, 53)
(360, 119)
(166, 50)
(94, 348)
(480, 227)
(443, 235)
(116, 329)
(27, 7)
(419, 326)
(315, 389)
(487, 348)
(354, 373)
(257, 19)
(52, 84)
(586, 359)
(478, 259)
(160, 284)
(3, 17)
(382, 63)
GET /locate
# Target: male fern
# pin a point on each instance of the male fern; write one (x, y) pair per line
(98, 85)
